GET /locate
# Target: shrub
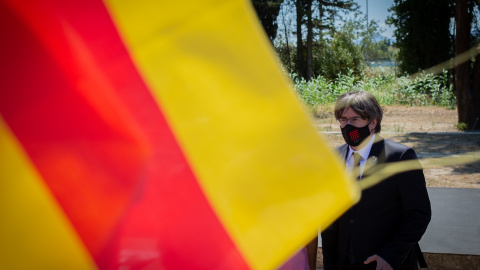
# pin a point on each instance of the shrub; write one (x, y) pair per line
(462, 126)
(425, 90)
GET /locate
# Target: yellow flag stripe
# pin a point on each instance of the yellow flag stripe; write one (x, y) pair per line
(385, 170)
(34, 233)
(270, 178)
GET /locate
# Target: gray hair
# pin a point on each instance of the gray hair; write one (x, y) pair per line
(363, 103)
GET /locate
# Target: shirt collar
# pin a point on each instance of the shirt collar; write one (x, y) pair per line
(364, 151)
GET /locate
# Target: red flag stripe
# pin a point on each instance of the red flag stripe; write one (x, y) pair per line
(76, 102)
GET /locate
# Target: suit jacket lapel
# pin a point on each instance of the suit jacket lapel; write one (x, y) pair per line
(376, 155)
(378, 148)
(343, 150)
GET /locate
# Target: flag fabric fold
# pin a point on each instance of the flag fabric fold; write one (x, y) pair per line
(155, 135)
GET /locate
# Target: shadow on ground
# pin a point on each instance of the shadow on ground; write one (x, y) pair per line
(429, 145)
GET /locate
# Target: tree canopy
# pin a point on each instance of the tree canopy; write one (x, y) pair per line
(424, 40)
(267, 12)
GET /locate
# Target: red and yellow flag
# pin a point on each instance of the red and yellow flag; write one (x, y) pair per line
(154, 135)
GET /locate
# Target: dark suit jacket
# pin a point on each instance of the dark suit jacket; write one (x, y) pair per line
(389, 220)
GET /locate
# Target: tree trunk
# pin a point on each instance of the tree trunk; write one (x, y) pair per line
(300, 47)
(289, 60)
(309, 39)
(320, 22)
(475, 103)
(462, 70)
(476, 87)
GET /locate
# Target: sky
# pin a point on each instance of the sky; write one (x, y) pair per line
(378, 11)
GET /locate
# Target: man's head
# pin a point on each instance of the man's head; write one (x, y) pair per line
(361, 104)
(359, 116)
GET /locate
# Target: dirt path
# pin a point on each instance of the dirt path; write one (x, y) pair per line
(432, 132)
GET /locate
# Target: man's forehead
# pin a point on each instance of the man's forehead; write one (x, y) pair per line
(350, 112)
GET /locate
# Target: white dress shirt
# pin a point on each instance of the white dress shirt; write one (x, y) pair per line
(364, 152)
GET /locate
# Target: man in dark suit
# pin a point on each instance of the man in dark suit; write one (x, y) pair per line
(383, 229)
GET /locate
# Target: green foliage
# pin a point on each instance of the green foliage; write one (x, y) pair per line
(286, 55)
(379, 51)
(321, 91)
(267, 12)
(338, 55)
(425, 90)
(422, 32)
(331, 57)
(334, 58)
(462, 126)
(336, 47)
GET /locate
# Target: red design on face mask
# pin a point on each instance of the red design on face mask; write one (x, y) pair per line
(354, 135)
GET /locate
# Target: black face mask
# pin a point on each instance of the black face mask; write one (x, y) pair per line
(353, 136)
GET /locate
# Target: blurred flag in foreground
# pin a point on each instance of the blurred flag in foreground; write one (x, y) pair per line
(154, 135)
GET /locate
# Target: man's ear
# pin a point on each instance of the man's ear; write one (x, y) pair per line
(372, 125)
